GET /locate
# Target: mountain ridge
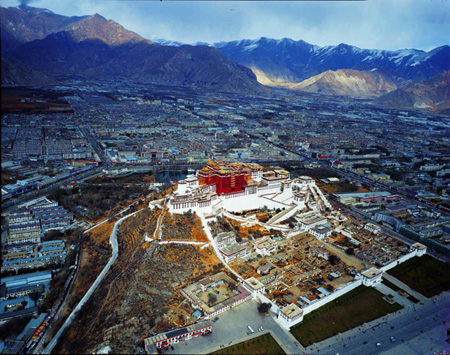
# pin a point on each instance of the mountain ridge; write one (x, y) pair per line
(348, 82)
(41, 41)
(290, 61)
(96, 47)
(295, 61)
(432, 94)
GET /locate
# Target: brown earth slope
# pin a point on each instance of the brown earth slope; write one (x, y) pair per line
(140, 294)
(346, 82)
(432, 94)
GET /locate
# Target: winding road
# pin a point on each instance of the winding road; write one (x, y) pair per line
(115, 254)
(214, 245)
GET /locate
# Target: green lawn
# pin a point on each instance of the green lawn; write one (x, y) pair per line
(425, 274)
(356, 307)
(391, 285)
(264, 344)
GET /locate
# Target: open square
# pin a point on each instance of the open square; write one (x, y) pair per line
(361, 305)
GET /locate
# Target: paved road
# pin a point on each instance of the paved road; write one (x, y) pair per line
(397, 297)
(404, 287)
(365, 219)
(430, 342)
(214, 245)
(403, 325)
(115, 253)
(57, 311)
(158, 229)
(95, 145)
(372, 182)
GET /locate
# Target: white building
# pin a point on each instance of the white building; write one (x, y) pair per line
(420, 249)
(254, 286)
(290, 315)
(372, 228)
(321, 231)
(273, 189)
(265, 246)
(309, 220)
(225, 238)
(235, 251)
(371, 277)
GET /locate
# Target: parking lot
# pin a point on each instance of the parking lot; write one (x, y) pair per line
(231, 328)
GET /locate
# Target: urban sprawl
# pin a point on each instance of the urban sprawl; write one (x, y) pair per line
(302, 199)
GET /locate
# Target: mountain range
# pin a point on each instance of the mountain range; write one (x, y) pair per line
(24, 24)
(287, 60)
(36, 42)
(14, 74)
(431, 94)
(92, 46)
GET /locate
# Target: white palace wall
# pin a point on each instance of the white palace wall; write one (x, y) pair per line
(339, 292)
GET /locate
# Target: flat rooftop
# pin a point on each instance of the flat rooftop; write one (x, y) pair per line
(292, 310)
(419, 246)
(176, 332)
(254, 283)
(232, 249)
(372, 272)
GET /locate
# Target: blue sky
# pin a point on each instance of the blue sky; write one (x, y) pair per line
(380, 24)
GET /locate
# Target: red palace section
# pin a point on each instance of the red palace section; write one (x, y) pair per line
(227, 177)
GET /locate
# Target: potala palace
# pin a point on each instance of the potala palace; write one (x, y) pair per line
(237, 187)
(291, 261)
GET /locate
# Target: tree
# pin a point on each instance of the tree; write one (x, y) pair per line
(34, 296)
(264, 307)
(333, 259)
(231, 286)
(212, 299)
(350, 251)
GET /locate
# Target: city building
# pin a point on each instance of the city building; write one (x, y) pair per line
(265, 245)
(372, 228)
(225, 238)
(371, 277)
(226, 294)
(290, 315)
(233, 251)
(21, 285)
(238, 187)
(254, 286)
(154, 344)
